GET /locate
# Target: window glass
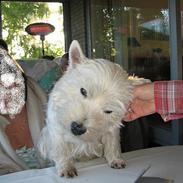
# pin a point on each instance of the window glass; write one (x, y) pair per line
(134, 34)
(181, 7)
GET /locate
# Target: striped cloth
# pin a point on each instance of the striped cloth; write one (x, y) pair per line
(29, 156)
(169, 99)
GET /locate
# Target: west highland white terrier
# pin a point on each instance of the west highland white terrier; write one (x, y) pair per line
(84, 112)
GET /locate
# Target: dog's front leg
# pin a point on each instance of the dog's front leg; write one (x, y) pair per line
(65, 167)
(112, 150)
(63, 161)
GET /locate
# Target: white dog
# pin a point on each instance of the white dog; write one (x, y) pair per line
(84, 112)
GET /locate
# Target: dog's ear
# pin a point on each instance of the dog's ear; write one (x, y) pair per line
(76, 55)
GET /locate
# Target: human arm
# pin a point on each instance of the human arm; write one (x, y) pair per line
(142, 103)
(163, 97)
(169, 99)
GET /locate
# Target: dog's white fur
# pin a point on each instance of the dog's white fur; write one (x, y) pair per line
(100, 110)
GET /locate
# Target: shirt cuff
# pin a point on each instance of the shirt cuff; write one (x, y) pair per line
(169, 99)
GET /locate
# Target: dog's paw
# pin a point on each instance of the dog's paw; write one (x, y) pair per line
(118, 164)
(69, 172)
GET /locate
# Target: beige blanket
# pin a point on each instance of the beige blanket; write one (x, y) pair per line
(36, 104)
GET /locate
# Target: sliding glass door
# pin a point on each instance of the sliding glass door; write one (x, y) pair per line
(141, 36)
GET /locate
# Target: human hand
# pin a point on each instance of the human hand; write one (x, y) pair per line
(142, 103)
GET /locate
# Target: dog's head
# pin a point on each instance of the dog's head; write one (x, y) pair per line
(91, 97)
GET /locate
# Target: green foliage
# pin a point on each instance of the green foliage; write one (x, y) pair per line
(16, 16)
(53, 49)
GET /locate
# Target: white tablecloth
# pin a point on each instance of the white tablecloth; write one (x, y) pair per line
(164, 162)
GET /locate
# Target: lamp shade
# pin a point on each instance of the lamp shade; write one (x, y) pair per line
(40, 28)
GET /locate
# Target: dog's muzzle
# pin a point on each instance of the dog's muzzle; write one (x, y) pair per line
(77, 129)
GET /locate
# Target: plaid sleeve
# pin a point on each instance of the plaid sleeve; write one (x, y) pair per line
(169, 99)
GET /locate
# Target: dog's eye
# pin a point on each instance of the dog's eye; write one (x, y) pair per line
(108, 112)
(83, 92)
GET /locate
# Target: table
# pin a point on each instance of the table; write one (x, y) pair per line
(164, 162)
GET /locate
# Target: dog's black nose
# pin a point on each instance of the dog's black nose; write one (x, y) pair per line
(77, 129)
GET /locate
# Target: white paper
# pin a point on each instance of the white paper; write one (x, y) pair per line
(92, 174)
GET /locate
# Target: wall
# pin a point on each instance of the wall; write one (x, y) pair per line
(77, 19)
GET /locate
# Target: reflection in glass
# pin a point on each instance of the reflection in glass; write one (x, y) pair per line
(135, 35)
